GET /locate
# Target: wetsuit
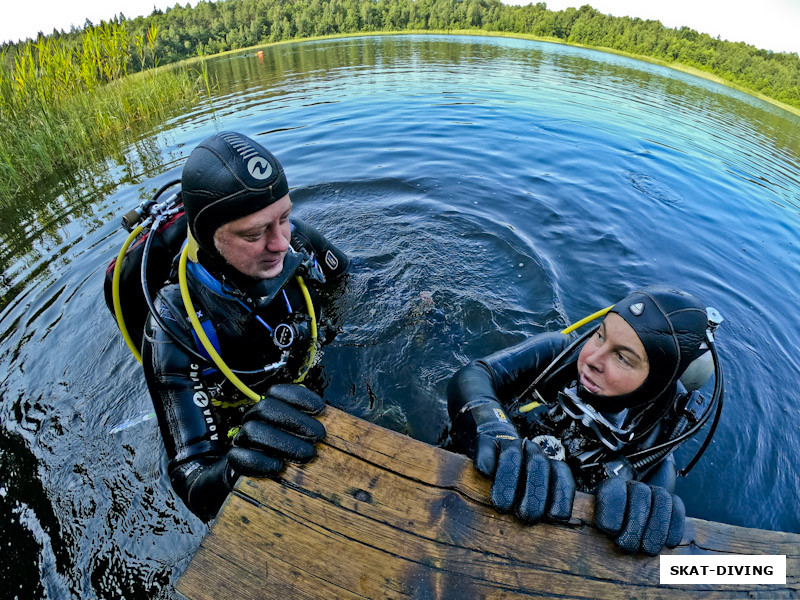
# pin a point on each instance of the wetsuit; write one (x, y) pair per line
(483, 395)
(195, 404)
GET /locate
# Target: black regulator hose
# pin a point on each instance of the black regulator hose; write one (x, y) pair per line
(164, 188)
(151, 307)
(676, 431)
(685, 471)
(556, 362)
(716, 400)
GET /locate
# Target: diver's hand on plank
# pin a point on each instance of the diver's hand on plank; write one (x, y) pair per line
(639, 517)
(524, 480)
(278, 428)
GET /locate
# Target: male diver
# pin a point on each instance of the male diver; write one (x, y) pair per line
(603, 414)
(253, 278)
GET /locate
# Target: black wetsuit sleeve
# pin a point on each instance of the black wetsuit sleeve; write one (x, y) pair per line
(333, 262)
(479, 391)
(504, 374)
(196, 452)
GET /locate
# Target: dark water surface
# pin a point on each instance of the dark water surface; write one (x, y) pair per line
(487, 189)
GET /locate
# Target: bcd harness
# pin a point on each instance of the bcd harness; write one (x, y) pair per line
(145, 224)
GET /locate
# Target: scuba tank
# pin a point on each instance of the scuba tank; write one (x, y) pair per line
(165, 223)
(701, 368)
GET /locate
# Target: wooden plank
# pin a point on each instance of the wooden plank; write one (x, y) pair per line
(379, 515)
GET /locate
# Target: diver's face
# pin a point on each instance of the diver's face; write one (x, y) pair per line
(613, 362)
(256, 245)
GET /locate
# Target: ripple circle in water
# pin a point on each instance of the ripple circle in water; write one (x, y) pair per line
(487, 189)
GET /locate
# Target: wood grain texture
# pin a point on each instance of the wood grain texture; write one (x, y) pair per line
(379, 515)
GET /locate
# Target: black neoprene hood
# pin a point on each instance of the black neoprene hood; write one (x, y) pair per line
(671, 325)
(226, 177)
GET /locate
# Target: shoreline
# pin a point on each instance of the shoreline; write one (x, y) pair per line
(523, 36)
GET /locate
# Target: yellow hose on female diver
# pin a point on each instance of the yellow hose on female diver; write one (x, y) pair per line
(531, 405)
(115, 293)
(585, 320)
(209, 347)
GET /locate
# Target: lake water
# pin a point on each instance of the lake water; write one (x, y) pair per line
(487, 189)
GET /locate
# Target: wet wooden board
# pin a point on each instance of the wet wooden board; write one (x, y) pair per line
(379, 515)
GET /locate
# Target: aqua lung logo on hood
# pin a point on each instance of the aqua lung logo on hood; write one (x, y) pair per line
(637, 309)
(258, 166)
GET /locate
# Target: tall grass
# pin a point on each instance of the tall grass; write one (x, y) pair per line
(63, 106)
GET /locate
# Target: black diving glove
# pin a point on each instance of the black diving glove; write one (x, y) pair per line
(278, 428)
(639, 517)
(524, 480)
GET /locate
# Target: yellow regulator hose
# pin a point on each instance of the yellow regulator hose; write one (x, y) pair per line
(209, 347)
(312, 351)
(531, 405)
(212, 352)
(586, 320)
(115, 293)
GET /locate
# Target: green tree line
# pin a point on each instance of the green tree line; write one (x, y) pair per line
(212, 27)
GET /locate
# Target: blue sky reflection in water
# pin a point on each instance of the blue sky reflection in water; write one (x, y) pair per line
(487, 189)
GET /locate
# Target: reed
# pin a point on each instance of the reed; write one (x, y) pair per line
(66, 105)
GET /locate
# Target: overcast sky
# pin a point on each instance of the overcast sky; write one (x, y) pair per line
(769, 24)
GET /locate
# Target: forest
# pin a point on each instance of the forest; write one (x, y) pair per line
(212, 27)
